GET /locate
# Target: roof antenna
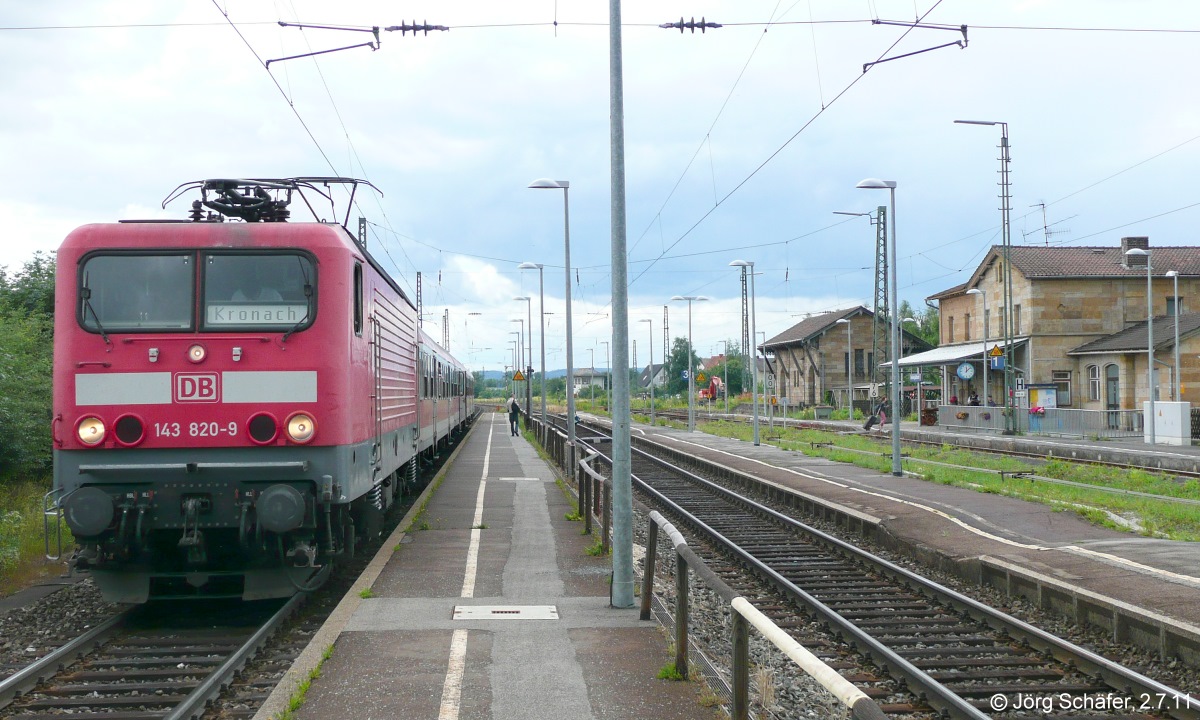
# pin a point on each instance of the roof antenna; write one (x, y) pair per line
(1046, 231)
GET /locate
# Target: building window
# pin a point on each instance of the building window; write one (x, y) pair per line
(1093, 372)
(1174, 306)
(1016, 320)
(950, 329)
(1062, 380)
(967, 326)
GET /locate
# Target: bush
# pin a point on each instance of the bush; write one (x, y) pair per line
(25, 396)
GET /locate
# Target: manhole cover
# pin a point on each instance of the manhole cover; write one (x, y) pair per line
(505, 612)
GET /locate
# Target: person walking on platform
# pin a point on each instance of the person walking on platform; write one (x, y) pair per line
(514, 412)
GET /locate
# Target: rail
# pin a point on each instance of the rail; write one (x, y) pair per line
(595, 498)
(744, 616)
(28, 677)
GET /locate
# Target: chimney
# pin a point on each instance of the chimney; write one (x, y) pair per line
(1134, 261)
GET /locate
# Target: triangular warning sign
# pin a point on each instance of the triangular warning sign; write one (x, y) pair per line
(996, 351)
(518, 377)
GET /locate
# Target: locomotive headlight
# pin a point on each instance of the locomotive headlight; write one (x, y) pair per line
(197, 353)
(90, 430)
(301, 428)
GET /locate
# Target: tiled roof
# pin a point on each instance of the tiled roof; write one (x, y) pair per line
(1044, 263)
(810, 327)
(644, 378)
(956, 290)
(1067, 262)
(1134, 338)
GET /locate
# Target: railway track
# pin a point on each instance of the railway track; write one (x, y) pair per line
(1035, 458)
(147, 662)
(924, 649)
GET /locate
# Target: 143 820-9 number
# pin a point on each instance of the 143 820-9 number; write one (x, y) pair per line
(196, 429)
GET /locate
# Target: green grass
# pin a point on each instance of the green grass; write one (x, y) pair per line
(668, 672)
(296, 701)
(1146, 516)
(366, 593)
(22, 544)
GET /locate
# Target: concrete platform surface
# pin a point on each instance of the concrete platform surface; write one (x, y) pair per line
(494, 538)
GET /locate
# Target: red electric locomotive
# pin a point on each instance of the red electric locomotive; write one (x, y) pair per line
(236, 397)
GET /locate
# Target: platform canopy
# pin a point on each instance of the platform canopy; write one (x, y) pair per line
(949, 354)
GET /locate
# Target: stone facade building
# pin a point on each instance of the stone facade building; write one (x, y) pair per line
(1078, 324)
(811, 365)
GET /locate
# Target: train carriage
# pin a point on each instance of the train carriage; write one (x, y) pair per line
(235, 402)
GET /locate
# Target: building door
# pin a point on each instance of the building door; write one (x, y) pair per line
(1112, 395)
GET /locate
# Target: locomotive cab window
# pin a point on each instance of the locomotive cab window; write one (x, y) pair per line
(136, 292)
(267, 291)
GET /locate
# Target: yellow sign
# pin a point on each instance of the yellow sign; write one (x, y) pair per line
(700, 378)
(518, 377)
(773, 400)
(996, 351)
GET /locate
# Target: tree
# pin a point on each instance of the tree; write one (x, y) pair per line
(31, 290)
(738, 378)
(25, 395)
(927, 327)
(26, 341)
(676, 364)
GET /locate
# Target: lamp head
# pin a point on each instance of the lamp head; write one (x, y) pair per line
(741, 263)
(529, 266)
(547, 183)
(974, 291)
(521, 298)
(842, 321)
(876, 184)
(977, 122)
(1172, 273)
(1137, 251)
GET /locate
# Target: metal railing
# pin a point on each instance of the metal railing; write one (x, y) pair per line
(1067, 422)
(744, 616)
(595, 499)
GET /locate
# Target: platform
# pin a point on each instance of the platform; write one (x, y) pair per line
(489, 608)
(1145, 590)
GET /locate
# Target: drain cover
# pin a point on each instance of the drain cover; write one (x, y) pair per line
(505, 612)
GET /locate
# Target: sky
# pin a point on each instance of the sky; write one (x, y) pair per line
(741, 142)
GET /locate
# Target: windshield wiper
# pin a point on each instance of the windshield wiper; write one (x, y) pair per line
(86, 293)
(308, 308)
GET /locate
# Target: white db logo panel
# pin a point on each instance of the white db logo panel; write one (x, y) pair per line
(197, 388)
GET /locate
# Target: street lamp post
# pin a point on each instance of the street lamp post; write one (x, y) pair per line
(1149, 338)
(564, 185)
(753, 347)
(541, 328)
(607, 379)
(691, 370)
(1176, 386)
(894, 305)
(849, 366)
(592, 378)
(651, 371)
(727, 376)
(1006, 311)
(514, 343)
(529, 355)
(983, 296)
(919, 391)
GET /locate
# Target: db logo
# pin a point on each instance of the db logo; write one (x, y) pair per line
(197, 387)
